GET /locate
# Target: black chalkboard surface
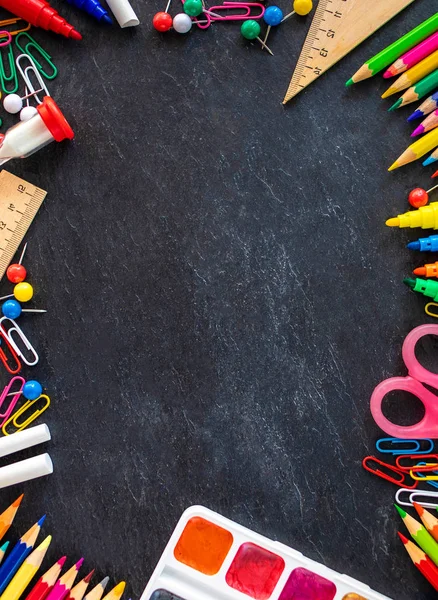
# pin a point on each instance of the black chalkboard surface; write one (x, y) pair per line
(222, 297)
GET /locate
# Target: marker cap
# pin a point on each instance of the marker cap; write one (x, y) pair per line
(54, 120)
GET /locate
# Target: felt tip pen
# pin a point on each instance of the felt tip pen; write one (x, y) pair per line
(427, 287)
(40, 14)
(427, 244)
(425, 217)
(428, 270)
(93, 8)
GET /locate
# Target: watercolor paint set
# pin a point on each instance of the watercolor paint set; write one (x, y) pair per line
(209, 557)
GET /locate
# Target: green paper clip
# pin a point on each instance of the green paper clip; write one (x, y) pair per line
(5, 79)
(31, 43)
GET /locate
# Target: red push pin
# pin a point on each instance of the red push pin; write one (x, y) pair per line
(419, 197)
(16, 273)
(162, 21)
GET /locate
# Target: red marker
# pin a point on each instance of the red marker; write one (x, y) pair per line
(40, 14)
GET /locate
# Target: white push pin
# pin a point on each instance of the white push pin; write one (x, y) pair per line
(13, 103)
(27, 112)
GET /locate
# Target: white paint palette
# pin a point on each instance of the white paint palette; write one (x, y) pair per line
(209, 557)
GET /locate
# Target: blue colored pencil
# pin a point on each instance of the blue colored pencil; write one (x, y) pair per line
(425, 108)
(93, 8)
(18, 554)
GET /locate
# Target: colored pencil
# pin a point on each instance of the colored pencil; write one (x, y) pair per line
(63, 586)
(390, 53)
(26, 572)
(417, 149)
(3, 551)
(78, 592)
(414, 75)
(417, 91)
(413, 57)
(429, 123)
(428, 519)
(97, 592)
(7, 517)
(421, 561)
(46, 582)
(420, 535)
(431, 159)
(18, 555)
(425, 108)
(117, 592)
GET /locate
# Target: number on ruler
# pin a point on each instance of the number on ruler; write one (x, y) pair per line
(11, 207)
(21, 188)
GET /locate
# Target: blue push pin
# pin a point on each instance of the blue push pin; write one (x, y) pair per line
(273, 16)
(11, 309)
(31, 390)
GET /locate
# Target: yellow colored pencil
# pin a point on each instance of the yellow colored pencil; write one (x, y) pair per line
(417, 149)
(97, 592)
(117, 592)
(7, 517)
(411, 76)
(26, 572)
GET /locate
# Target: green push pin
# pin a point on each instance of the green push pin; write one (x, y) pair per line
(194, 8)
(251, 31)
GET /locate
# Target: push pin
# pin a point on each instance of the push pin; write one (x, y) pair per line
(273, 16)
(419, 197)
(11, 309)
(31, 390)
(162, 21)
(16, 273)
(182, 23)
(300, 7)
(12, 103)
(194, 8)
(251, 31)
(23, 292)
(27, 112)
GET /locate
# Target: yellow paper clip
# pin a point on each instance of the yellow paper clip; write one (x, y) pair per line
(26, 406)
(426, 477)
(429, 312)
(7, 22)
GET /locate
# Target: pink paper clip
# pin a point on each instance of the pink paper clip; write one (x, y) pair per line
(247, 6)
(5, 414)
(206, 20)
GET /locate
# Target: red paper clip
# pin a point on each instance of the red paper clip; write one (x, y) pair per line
(430, 466)
(5, 360)
(401, 481)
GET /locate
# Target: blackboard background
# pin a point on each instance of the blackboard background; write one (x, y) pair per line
(223, 297)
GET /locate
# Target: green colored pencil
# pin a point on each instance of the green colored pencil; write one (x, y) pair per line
(417, 91)
(392, 52)
(420, 535)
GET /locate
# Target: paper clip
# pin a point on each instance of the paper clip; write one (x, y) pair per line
(5, 414)
(429, 312)
(230, 6)
(393, 442)
(419, 493)
(26, 406)
(14, 21)
(402, 475)
(432, 483)
(7, 333)
(398, 497)
(12, 77)
(45, 55)
(8, 38)
(5, 343)
(427, 466)
(25, 75)
(423, 476)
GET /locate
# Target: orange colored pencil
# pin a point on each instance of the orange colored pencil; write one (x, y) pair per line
(78, 592)
(429, 521)
(47, 581)
(7, 517)
(421, 561)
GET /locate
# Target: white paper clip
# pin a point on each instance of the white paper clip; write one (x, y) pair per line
(32, 68)
(421, 493)
(399, 500)
(20, 353)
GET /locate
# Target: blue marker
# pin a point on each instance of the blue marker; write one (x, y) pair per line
(428, 244)
(93, 8)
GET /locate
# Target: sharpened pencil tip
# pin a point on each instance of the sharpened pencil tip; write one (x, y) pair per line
(415, 115)
(403, 538)
(88, 577)
(349, 83)
(17, 502)
(400, 511)
(45, 543)
(61, 561)
(434, 175)
(395, 105)
(41, 521)
(429, 161)
(418, 508)
(394, 166)
(104, 582)
(4, 547)
(79, 563)
(388, 93)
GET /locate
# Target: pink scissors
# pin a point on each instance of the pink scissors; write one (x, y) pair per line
(417, 375)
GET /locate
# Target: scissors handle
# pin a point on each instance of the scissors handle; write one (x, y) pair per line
(427, 427)
(416, 369)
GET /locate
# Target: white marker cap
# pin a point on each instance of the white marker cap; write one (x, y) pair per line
(24, 439)
(123, 12)
(18, 472)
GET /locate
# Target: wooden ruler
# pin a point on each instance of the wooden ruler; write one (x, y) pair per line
(337, 27)
(19, 203)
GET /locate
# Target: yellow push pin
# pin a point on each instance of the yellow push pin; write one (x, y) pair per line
(300, 7)
(23, 292)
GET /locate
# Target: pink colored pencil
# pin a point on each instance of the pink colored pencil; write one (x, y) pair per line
(63, 586)
(430, 122)
(413, 56)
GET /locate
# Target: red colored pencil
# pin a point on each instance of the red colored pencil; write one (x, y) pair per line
(423, 563)
(63, 586)
(45, 583)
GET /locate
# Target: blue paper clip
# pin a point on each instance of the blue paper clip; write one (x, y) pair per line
(394, 450)
(31, 43)
(420, 473)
